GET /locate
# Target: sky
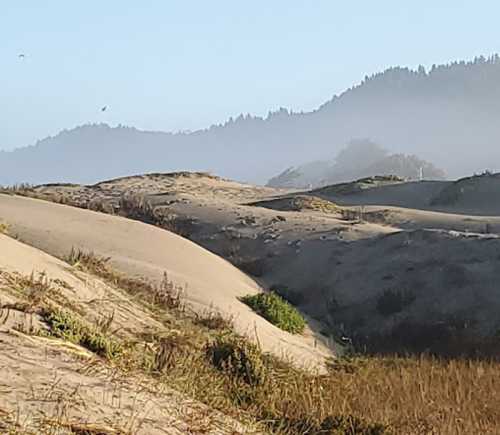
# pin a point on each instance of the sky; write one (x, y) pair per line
(183, 65)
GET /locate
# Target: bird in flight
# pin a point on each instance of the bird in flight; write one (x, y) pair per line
(21, 56)
(104, 108)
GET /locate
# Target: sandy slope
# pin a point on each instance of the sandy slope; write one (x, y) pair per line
(144, 250)
(46, 380)
(477, 195)
(325, 259)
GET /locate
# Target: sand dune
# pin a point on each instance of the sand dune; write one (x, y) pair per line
(147, 251)
(335, 259)
(46, 380)
(477, 195)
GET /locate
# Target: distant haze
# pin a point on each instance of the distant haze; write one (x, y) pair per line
(187, 64)
(447, 116)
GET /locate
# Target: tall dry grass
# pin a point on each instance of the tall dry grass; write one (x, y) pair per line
(369, 395)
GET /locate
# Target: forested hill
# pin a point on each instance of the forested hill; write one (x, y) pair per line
(447, 115)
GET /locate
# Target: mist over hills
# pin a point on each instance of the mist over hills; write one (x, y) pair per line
(361, 158)
(447, 115)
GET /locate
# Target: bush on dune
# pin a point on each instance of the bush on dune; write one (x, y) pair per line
(277, 311)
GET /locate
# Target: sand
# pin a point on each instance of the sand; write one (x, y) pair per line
(138, 249)
(335, 259)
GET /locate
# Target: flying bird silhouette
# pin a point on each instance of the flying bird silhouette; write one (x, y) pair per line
(104, 109)
(21, 56)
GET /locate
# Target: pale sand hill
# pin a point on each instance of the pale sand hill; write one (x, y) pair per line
(146, 251)
(325, 259)
(477, 195)
(48, 381)
(411, 219)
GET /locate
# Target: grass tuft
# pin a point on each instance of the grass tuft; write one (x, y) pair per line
(64, 325)
(214, 320)
(238, 357)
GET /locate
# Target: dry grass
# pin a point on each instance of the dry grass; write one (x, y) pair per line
(165, 295)
(214, 320)
(378, 395)
(30, 191)
(35, 290)
(138, 207)
(361, 395)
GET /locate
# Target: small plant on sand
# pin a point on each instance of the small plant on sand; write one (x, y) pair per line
(89, 261)
(277, 311)
(214, 320)
(66, 326)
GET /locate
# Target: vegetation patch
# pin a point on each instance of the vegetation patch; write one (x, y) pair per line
(238, 357)
(165, 295)
(138, 207)
(214, 320)
(299, 203)
(370, 395)
(36, 290)
(332, 425)
(277, 311)
(66, 326)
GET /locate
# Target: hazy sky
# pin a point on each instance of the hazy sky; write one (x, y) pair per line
(181, 64)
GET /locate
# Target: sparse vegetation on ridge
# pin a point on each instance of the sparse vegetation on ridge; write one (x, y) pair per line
(277, 311)
(165, 295)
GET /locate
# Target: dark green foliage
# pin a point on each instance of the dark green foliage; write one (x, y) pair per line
(277, 311)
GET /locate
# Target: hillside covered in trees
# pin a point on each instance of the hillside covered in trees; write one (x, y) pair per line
(447, 115)
(359, 159)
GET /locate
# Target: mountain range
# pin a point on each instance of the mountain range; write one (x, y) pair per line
(447, 115)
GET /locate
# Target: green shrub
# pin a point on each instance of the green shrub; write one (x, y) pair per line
(64, 325)
(238, 357)
(277, 311)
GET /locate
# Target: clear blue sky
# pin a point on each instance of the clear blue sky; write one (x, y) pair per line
(183, 64)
